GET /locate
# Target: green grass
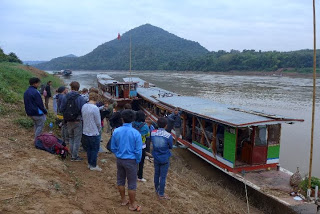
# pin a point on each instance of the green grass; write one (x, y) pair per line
(14, 80)
(24, 122)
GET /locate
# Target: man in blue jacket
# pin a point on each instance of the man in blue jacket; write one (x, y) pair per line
(33, 105)
(162, 143)
(126, 144)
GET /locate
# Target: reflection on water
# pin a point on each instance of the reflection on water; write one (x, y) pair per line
(290, 97)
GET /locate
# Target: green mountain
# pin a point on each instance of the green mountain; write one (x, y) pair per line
(152, 49)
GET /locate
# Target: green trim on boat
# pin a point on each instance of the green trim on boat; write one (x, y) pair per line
(273, 151)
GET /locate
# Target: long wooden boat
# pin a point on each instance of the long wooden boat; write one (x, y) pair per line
(121, 92)
(243, 143)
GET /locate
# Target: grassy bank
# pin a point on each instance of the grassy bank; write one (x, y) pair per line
(14, 80)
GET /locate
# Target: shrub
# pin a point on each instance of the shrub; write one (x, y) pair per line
(24, 122)
(314, 182)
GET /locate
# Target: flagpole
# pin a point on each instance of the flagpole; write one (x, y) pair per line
(313, 97)
(130, 59)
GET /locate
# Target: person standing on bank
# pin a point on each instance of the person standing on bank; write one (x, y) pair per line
(140, 125)
(175, 119)
(126, 144)
(91, 130)
(47, 94)
(34, 105)
(161, 143)
(71, 105)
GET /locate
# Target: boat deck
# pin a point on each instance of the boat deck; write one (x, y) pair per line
(273, 183)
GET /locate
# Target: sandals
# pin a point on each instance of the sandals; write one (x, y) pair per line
(137, 209)
(125, 204)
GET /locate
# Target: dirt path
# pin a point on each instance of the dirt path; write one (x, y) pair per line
(34, 181)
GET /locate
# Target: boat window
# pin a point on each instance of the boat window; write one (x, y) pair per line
(261, 136)
(274, 132)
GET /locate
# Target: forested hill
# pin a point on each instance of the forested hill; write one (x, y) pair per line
(152, 49)
(251, 60)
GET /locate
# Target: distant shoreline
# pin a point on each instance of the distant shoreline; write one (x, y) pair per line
(231, 73)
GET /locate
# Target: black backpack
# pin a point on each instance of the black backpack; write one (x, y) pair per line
(71, 112)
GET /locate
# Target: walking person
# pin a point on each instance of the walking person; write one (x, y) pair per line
(71, 105)
(175, 120)
(47, 94)
(85, 94)
(126, 144)
(91, 130)
(140, 125)
(162, 143)
(34, 105)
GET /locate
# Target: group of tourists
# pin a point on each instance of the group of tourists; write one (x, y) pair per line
(81, 119)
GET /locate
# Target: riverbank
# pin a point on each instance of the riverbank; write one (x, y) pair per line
(34, 181)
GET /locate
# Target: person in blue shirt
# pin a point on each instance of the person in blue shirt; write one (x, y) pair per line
(143, 128)
(34, 105)
(126, 144)
(162, 142)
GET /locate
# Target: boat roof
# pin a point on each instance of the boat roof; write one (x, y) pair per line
(225, 114)
(138, 80)
(151, 93)
(230, 115)
(106, 79)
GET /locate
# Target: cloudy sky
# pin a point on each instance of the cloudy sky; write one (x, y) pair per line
(44, 29)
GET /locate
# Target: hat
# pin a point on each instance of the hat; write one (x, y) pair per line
(61, 89)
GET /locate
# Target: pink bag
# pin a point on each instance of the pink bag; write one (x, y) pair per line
(45, 93)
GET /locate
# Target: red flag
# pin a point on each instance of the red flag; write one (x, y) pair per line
(119, 36)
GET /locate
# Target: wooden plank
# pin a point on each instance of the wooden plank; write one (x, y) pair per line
(193, 127)
(184, 129)
(204, 132)
(214, 139)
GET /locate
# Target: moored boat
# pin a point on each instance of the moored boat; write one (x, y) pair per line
(121, 92)
(243, 143)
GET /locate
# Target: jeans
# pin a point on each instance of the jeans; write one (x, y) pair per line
(75, 134)
(64, 132)
(141, 164)
(38, 124)
(160, 176)
(46, 102)
(93, 144)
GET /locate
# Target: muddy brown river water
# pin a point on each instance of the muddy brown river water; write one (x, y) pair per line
(286, 96)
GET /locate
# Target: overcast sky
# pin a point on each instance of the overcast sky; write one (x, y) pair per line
(45, 29)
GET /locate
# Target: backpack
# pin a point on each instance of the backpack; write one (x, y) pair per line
(42, 87)
(71, 112)
(50, 143)
(45, 93)
(138, 127)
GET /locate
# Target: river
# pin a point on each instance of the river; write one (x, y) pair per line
(286, 96)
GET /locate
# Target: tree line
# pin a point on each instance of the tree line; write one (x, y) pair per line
(11, 57)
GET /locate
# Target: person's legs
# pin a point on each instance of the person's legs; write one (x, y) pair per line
(156, 176)
(89, 148)
(70, 128)
(177, 133)
(38, 124)
(77, 138)
(95, 150)
(46, 101)
(131, 171)
(141, 164)
(163, 176)
(121, 180)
